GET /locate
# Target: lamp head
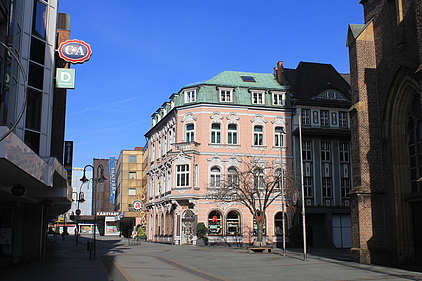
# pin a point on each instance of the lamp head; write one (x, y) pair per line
(84, 179)
(102, 178)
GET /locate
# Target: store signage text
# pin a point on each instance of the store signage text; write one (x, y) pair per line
(75, 51)
(108, 214)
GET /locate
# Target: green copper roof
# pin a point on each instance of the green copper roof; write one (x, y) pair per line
(234, 79)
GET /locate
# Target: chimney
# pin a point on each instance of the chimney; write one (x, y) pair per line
(279, 73)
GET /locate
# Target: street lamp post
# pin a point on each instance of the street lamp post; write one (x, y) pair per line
(101, 179)
(80, 198)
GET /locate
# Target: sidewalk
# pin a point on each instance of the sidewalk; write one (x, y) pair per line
(121, 259)
(64, 261)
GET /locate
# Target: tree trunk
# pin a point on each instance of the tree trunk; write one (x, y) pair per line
(260, 222)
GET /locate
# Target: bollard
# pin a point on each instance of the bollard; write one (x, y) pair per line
(90, 247)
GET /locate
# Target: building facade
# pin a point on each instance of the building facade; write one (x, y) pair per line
(102, 207)
(202, 136)
(322, 99)
(130, 195)
(33, 183)
(385, 68)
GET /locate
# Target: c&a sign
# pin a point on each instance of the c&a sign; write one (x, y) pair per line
(75, 51)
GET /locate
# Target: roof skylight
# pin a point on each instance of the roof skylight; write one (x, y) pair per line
(248, 79)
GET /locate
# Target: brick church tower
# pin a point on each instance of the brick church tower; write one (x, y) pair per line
(386, 124)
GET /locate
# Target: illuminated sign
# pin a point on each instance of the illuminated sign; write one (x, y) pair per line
(75, 51)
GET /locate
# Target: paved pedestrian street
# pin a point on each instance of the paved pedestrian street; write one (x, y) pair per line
(121, 259)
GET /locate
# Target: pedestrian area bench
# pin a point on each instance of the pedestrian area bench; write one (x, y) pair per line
(262, 249)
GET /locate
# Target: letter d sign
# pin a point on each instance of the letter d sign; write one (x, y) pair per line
(65, 78)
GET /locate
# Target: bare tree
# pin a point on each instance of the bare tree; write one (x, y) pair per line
(256, 184)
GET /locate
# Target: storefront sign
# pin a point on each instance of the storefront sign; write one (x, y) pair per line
(111, 165)
(108, 214)
(68, 160)
(75, 51)
(137, 205)
(65, 78)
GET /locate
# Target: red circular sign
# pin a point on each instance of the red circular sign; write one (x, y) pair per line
(78, 212)
(75, 51)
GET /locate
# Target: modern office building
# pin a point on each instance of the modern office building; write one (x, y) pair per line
(386, 77)
(33, 181)
(130, 195)
(322, 99)
(202, 137)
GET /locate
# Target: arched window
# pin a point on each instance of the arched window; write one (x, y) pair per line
(414, 142)
(259, 181)
(215, 176)
(214, 223)
(233, 223)
(278, 221)
(232, 177)
(279, 136)
(215, 133)
(232, 134)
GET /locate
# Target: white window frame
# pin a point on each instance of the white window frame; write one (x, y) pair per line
(233, 176)
(279, 136)
(324, 118)
(327, 187)
(258, 97)
(345, 187)
(306, 116)
(132, 159)
(308, 187)
(215, 177)
(215, 133)
(343, 119)
(132, 175)
(258, 136)
(189, 134)
(344, 152)
(182, 175)
(131, 191)
(326, 151)
(232, 135)
(307, 150)
(190, 95)
(279, 98)
(225, 94)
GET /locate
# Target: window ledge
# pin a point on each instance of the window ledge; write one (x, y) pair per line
(259, 147)
(233, 146)
(216, 145)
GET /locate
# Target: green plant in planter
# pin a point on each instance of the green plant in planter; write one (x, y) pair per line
(201, 232)
(141, 233)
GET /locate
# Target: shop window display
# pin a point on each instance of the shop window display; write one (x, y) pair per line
(214, 223)
(233, 223)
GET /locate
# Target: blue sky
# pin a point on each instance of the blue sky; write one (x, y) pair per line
(143, 51)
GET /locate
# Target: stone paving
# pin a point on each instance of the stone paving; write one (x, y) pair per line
(121, 259)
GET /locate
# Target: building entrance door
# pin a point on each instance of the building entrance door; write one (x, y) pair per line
(188, 227)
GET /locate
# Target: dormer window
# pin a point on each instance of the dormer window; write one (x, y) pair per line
(190, 95)
(258, 97)
(278, 98)
(226, 94)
